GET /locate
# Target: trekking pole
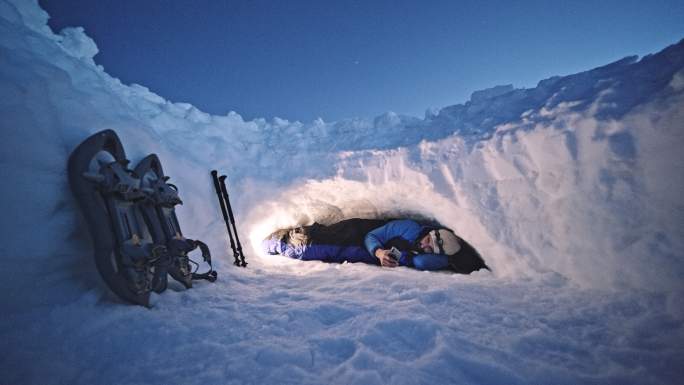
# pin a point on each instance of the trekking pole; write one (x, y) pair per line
(224, 190)
(214, 175)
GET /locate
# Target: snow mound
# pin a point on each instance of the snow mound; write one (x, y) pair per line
(576, 176)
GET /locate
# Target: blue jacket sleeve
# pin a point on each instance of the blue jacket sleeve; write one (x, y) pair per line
(405, 228)
(430, 261)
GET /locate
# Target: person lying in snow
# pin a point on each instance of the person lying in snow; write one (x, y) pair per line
(390, 243)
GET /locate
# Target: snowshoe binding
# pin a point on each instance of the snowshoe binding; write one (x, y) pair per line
(160, 216)
(109, 194)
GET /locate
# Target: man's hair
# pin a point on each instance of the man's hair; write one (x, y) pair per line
(467, 259)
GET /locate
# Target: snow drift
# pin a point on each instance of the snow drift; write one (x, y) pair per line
(579, 176)
(577, 181)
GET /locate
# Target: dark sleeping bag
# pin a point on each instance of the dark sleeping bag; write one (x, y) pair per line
(349, 241)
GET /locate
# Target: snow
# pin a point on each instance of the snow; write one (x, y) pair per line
(571, 190)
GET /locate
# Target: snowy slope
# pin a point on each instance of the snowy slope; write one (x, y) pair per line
(571, 190)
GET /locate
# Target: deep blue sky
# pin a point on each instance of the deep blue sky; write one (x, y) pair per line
(301, 60)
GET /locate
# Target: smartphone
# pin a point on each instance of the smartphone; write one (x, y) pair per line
(396, 254)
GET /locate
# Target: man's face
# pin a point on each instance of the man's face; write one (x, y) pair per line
(426, 245)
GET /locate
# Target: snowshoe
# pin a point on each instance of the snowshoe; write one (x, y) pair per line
(109, 195)
(160, 216)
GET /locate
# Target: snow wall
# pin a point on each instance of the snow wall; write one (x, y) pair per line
(579, 178)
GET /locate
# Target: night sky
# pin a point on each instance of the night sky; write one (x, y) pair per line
(301, 60)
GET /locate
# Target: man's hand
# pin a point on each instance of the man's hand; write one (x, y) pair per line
(386, 258)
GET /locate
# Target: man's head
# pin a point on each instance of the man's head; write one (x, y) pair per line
(440, 242)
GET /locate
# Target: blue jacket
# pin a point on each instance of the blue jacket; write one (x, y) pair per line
(405, 235)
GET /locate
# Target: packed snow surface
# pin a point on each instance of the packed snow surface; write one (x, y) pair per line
(571, 191)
